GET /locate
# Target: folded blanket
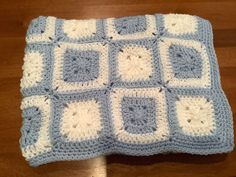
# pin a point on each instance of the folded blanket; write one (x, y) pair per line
(137, 85)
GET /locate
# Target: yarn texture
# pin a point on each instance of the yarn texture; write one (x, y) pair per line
(138, 85)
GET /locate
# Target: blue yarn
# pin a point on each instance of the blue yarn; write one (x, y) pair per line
(129, 25)
(31, 125)
(139, 115)
(80, 66)
(186, 62)
(37, 26)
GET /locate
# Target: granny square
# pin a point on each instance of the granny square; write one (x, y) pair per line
(134, 63)
(139, 85)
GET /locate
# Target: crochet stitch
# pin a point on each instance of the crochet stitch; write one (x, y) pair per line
(138, 85)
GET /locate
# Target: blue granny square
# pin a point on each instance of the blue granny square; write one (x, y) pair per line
(139, 115)
(186, 62)
(31, 126)
(80, 65)
(129, 25)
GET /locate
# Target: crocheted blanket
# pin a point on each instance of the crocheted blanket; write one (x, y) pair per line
(137, 85)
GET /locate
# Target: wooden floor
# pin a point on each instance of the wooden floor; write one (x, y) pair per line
(14, 18)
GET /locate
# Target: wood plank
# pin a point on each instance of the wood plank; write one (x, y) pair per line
(17, 20)
(15, 16)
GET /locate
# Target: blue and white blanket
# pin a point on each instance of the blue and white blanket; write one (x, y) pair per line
(138, 85)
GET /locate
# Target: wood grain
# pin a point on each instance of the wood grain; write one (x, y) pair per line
(15, 16)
